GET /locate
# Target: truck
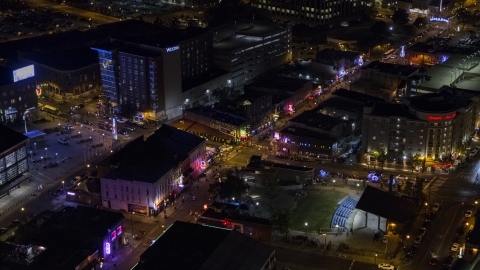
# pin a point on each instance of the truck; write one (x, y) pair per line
(105, 125)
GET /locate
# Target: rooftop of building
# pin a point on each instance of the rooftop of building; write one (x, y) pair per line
(137, 51)
(390, 68)
(236, 35)
(447, 49)
(340, 104)
(204, 78)
(333, 54)
(149, 160)
(257, 162)
(188, 246)
(357, 97)
(218, 115)
(303, 132)
(9, 138)
(87, 220)
(198, 129)
(63, 257)
(445, 100)
(391, 110)
(162, 37)
(315, 119)
(222, 215)
(72, 39)
(65, 60)
(280, 83)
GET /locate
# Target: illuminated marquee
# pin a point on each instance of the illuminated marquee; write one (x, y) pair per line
(438, 118)
(402, 52)
(107, 248)
(39, 90)
(106, 63)
(23, 73)
(440, 20)
(172, 49)
(203, 165)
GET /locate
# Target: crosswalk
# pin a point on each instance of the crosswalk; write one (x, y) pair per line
(465, 176)
(436, 183)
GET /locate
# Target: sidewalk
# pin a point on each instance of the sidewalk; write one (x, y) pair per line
(74, 158)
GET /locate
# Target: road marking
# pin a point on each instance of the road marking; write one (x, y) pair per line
(429, 183)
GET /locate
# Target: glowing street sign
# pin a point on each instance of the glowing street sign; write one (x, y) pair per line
(107, 248)
(402, 52)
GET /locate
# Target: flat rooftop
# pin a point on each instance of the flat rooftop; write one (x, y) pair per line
(149, 160)
(198, 129)
(245, 34)
(357, 97)
(188, 246)
(280, 83)
(9, 138)
(332, 54)
(340, 104)
(162, 37)
(302, 132)
(389, 68)
(318, 120)
(446, 100)
(65, 60)
(219, 115)
(391, 110)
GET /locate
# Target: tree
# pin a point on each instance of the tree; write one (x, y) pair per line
(270, 182)
(232, 187)
(408, 187)
(414, 160)
(418, 187)
(380, 28)
(280, 220)
(407, 30)
(381, 156)
(128, 110)
(400, 17)
(420, 22)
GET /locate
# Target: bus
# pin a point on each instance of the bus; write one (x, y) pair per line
(51, 109)
(105, 125)
(387, 54)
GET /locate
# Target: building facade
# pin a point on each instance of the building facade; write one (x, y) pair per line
(146, 175)
(311, 13)
(13, 160)
(19, 95)
(247, 50)
(67, 75)
(433, 125)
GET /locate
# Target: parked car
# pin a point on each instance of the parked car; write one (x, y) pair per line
(468, 213)
(69, 127)
(130, 128)
(14, 223)
(87, 122)
(3, 230)
(427, 224)
(402, 177)
(386, 266)
(121, 120)
(385, 239)
(70, 111)
(63, 141)
(122, 131)
(436, 206)
(422, 232)
(448, 261)
(433, 262)
(454, 247)
(80, 106)
(417, 240)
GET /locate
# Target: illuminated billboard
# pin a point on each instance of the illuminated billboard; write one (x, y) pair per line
(23, 73)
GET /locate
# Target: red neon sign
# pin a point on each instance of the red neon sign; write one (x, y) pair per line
(437, 118)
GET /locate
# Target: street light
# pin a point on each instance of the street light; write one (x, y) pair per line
(426, 204)
(358, 187)
(42, 160)
(131, 215)
(56, 156)
(63, 183)
(325, 245)
(306, 224)
(333, 184)
(46, 152)
(375, 259)
(35, 145)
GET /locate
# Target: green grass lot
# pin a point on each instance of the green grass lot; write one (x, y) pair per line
(316, 210)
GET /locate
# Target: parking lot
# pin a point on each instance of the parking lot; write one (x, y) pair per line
(17, 21)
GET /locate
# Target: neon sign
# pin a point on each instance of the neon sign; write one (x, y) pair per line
(203, 165)
(106, 63)
(23, 73)
(119, 230)
(276, 135)
(444, 58)
(438, 118)
(440, 20)
(113, 235)
(172, 49)
(39, 90)
(402, 52)
(360, 60)
(107, 248)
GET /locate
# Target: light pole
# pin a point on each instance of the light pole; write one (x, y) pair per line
(333, 184)
(42, 160)
(426, 204)
(35, 145)
(358, 187)
(46, 153)
(131, 216)
(451, 73)
(306, 224)
(31, 155)
(103, 137)
(23, 214)
(63, 183)
(56, 156)
(84, 154)
(375, 259)
(325, 245)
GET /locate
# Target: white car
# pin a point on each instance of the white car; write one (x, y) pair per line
(63, 141)
(121, 120)
(435, 207)
(422, 232)
(454, 247)
(386, 266)
(468, 213)
(402, 177)
(417, 240)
